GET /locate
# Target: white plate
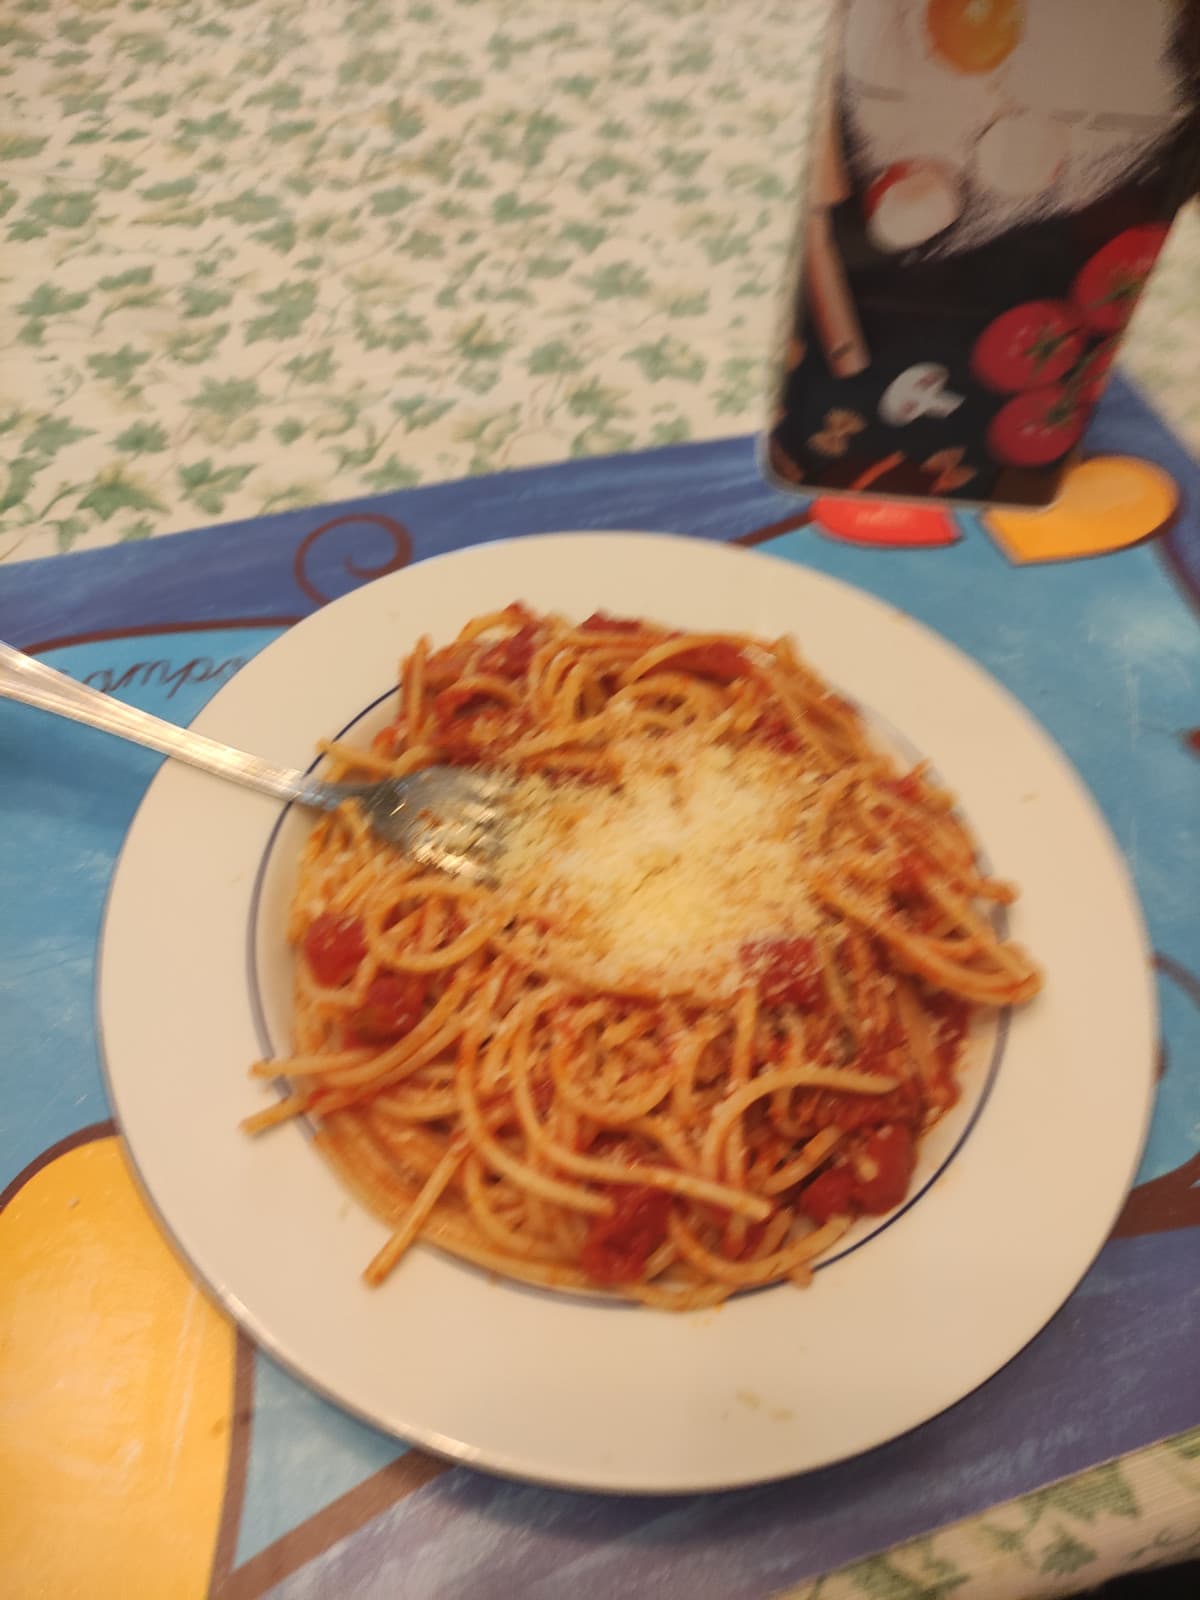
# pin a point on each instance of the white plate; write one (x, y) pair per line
(1016, 1192)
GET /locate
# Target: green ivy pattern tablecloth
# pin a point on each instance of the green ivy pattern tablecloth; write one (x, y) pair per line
(269, 253)
(1140, 1512)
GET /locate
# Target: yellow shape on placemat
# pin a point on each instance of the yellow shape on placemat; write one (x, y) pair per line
(116, 1383)
(1104, 504)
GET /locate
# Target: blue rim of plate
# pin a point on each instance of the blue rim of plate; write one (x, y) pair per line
(269, 1050)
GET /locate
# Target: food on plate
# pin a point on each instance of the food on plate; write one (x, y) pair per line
(718, 991)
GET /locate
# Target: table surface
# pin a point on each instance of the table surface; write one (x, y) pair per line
(270, 255)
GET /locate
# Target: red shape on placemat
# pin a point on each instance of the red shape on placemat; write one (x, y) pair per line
(889, 523)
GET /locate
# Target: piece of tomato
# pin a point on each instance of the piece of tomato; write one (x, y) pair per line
(617, 1248)
(829, 1194)
(1108, 287)
(788, 971)
(876, 1180)
(952, 1015)
(459, 700)
(1031, 345)
(480, 736)
(908, 879)
(735, 1249)
(1036, 428)
(391, 1007)
(388, 741)
(601, 622)
(721, 662)
(541, 1092)
(510, 658)
(825, 1108)
(906, 787)
(777, 733)
(884, 1169)
(333, 947)
(446, 666)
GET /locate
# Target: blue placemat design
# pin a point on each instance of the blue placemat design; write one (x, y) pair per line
(1105, 652)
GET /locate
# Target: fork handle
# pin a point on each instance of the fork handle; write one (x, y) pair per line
(34, 684)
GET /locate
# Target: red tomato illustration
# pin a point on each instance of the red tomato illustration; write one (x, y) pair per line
(1036, 428)
(1108, 287)
(1031, 345)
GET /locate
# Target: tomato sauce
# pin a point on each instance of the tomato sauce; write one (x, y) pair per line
(830, 1194)
(481, 732)
(617, 1248)
(779, 735)
(889, 1156)
(908, 880)
(392, 1006)
(751, 1238)
(907, 787)
(446, 666)
(333, 946)
(822, 1108)
(873, 1182)
(953, 1015)
(459, 701)
(721, 662)
(389, 741)
(510, 658)
(601, 622)
(788, 971)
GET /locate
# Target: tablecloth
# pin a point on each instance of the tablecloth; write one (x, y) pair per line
(260, 255)
(264, 255)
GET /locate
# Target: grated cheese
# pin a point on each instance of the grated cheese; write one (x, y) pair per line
(657, 884)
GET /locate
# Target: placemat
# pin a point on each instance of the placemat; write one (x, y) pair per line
(233, 1475)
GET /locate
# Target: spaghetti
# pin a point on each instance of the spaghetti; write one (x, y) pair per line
(700, 1020)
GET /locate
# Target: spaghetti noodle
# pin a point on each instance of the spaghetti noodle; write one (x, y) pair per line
(700, 1020)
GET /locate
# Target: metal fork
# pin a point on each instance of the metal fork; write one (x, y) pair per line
(451, 818)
